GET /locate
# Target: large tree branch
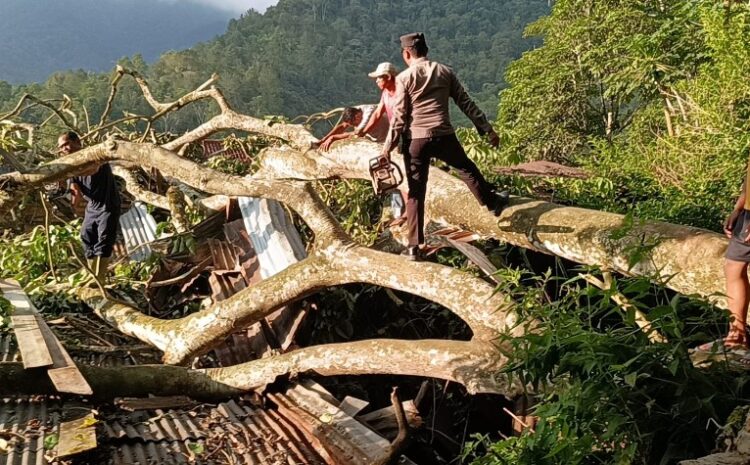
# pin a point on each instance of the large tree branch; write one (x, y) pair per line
(335, 260)
(686, 259)
(486, 312)
(474, 365)
(300, 196)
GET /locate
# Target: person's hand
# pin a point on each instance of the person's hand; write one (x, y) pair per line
(386, 155)
(494, 139)
(326, 145)
(729, 223)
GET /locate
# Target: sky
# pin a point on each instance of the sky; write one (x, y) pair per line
(234, 6)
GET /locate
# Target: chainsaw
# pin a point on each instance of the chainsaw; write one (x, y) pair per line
(386, 175)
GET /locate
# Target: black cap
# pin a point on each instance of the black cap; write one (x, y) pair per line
(412, 40)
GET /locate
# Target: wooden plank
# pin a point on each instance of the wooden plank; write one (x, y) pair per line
(153, 403)
(352, 406)
(64, 374)
(34, 351)
(77, 436)
(17, 297)
(31, 344)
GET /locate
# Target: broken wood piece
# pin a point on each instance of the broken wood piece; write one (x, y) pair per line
(65, 374)
(77, 436)
(34, 352)
(132, 404)
(348, 440)
(544, 169)
(352, 406)
(384, 420)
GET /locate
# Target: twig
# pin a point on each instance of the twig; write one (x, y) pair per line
(625, 305)
(46, 234)
(111, 98)
(90, 272)
(518, 419)
(43, 103)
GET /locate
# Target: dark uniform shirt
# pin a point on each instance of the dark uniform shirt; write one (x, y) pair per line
(423, 91)
(100, 189)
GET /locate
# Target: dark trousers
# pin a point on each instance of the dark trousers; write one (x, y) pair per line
(99, 232)
(417, 156)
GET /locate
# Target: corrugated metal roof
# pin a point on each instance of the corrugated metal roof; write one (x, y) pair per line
(8, 348)
(138, 229)
(274, 238)
(30, 418)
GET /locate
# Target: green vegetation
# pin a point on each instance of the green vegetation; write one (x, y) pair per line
(653, 97)
(305, 56)
(609, 395)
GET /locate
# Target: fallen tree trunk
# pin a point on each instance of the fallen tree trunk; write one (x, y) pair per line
(486, 312)
(686, 259)
(472, 364)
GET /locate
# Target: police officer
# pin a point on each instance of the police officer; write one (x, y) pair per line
(98, 186)
(421, 122)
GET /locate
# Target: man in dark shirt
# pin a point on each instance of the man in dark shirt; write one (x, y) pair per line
(98, 186)
(421, 120)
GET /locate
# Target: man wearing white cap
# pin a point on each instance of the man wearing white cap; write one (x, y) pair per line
(385, 79)
(371, 122)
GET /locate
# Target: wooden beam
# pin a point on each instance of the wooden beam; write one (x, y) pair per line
(34, 351)
(64, 373)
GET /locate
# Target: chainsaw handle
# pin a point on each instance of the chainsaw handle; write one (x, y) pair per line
(397, 169)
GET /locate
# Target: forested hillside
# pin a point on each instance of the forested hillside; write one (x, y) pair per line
(44, 36)
(304, 56)
(652, 97)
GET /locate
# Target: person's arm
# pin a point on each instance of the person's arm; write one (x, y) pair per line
(326, 144)
(338, 129)
(75, 194)
(400, 111)
(470, 109)
(739, 205)
(376, 115)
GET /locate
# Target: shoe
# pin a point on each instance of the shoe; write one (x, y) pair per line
(412, 253)
(499, 201)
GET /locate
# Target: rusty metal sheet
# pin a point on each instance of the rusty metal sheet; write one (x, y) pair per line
(212, 147)
(223, 254)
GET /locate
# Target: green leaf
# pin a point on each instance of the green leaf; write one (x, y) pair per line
(50, 441)
(630, 379)
(196, 448)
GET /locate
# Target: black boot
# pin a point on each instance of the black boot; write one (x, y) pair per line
(498, 202)
(412, 253)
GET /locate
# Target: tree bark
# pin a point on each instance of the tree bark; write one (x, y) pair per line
(687, 259)
(472, 364)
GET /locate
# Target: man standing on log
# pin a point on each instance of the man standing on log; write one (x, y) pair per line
(421, 122)
(98, 186)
